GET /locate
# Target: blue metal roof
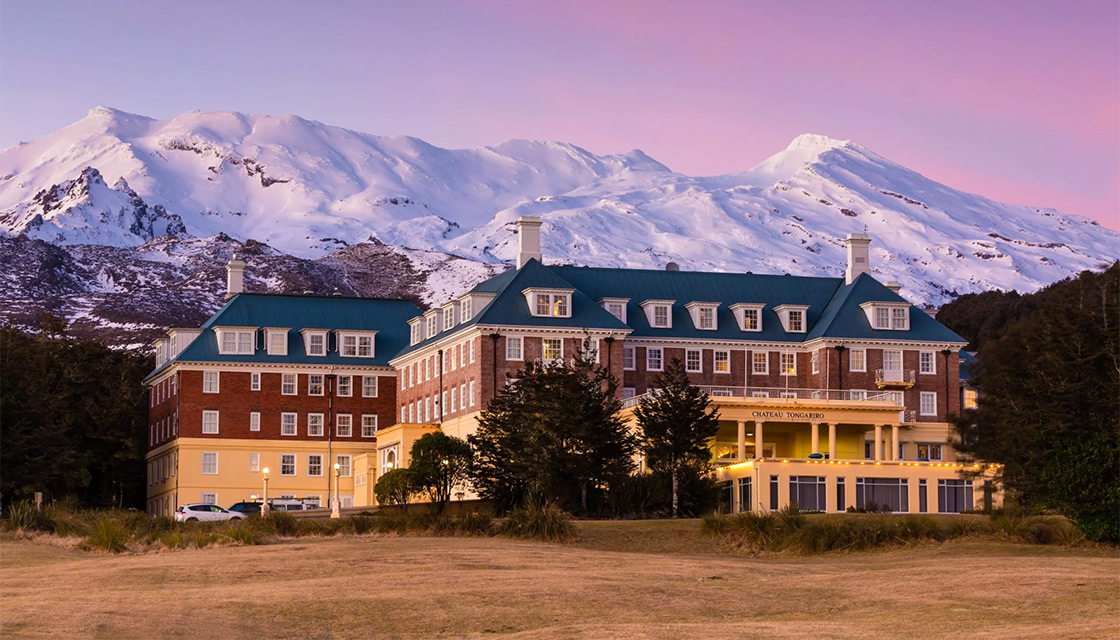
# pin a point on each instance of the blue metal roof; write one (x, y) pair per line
(389, 318)
(843, 318)
(968, 364)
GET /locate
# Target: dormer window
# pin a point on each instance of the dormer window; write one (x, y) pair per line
(417, 331)
(616, 307)
(236, 340)
(888, 316)
(659, 313)
(465, 310)
(355, 344)
(554, 303)
(433, 323)
(276, 342)
(748, 316)
(315, 341)
(703, 314)
(448, 318)
(792, 317)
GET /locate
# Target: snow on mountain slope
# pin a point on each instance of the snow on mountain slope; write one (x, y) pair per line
(309, 189)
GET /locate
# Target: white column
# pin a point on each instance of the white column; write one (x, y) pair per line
(816, 437)
(894, 442)
(742, 440)
(878, 442)
(832, 441)
(758, 442)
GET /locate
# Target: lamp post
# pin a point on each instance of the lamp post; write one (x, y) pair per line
(264, 506)
(334, 503)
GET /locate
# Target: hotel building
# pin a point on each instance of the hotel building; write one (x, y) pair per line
(832, 392)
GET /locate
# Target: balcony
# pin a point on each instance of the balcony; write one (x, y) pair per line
(894, 378)
(782, 393)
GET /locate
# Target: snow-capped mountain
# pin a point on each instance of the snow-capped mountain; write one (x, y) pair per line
(183, 189)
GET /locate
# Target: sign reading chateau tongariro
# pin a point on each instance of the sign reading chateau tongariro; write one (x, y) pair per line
(788, 415)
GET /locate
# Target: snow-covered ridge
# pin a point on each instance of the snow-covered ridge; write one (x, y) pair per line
(309, 189)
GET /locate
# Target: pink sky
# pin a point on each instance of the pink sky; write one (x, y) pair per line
(1018, 101)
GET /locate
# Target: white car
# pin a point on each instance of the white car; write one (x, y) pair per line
(205, 513)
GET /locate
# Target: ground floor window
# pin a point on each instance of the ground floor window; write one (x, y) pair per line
(889, 494)
(745, 501)
(773, 493)
(840, 505)
(923, 498)
(954, 496)
(725, 497)
(209, 498)
(807, 492)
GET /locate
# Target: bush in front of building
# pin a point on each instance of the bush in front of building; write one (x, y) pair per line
(438, 464)
(395, 488)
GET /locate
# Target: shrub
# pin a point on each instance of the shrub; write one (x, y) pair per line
(360, 524)
(22, 515)
(395, 488)
(546, 522)
(477, 523)
(283, 524)
(242, 533)
(108, 535)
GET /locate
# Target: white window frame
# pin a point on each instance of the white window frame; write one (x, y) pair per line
(315, 424)
(556, 358)
(660, 359)
(549, 303)
(293, 384)
(210, 430)
(254, 462)
(448, 317)
(283, 462)
(254, 421)
(205, 465)
(208, 497)
(369, 420)
(862, 360)
(900, 319)
(369, 382)
(726, 354)
(703, 315)
(792, 355)
(416, 332)
(699, 353)
(255, 381)
(354, 344)
(465, 310)
(340, 419)
(470, 389)
(345, 470)
(923, 397)
(616, 307)
(308, 342)
(932, 362)
(243, 341)
(294, 423)
(629, 358)
(765, 371)
(311, 456)
(211, 381)
(794, 317)
(344, 389)
(815, 361)
(433, 324)
(276, 342)
(321, 384)
(929, 449)
(519, 355)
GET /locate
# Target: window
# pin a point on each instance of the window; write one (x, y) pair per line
(288, 384)
(858, 360)
(773, 493)
(721, 361)
(317, 344)
(449, 317)
(815, 362)
(254, 381)
(890, 492)
(356, 346)
(210, 381)
(433, 325)
(454, 406)
(429, 366)
(900, 318)
(404, 414)
(235, 342)
(929, 451)
(343, 466)
(796, 321)
(629, 392)
(369, 386)
(314, 464)
(416, 335)
(745, 494)
(470, 387)
(411, 412)
(882, 318)
(369, 425)
(210, 422)
(209, 498)
(653, 359)
(628, 358)
(288, 464)
(752, 319)
(277, 343)
(661, 316)
(552, 350)
(288, 424)
(760, 362)
(928, 403)
(927, 363)
(971, 399)
(314, 424)
(255, 421)
(444, 409)
(471, 349)
(954, 496)
(513, 348)
(551, 304)
(692, 360)
(807, 492)
(706, 317)
(345, 427)
(617, 309)
(840, 506)
(857, 394)
(463, 396)
(426, 416)
(789, 364)
(465, 310)
(314, 384)
(210, 463)
(254, 462)
(345, 386)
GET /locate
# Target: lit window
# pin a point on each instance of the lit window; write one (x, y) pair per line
(343, 466)
(210, 382)
(288, 464)
(760, 362)
(971, 399)
(722, 362)
(210, 463)
(287, 424)
(692, 360)
(653, 359)
(550, 304)
(628, 358)
(751, 319)
(513, 348)
(369, 425)
(858, 360)
(552, 350)
(707, 317)
(928, 404)
(345, 427)
(543, 300)
(789, 364)
(255, 421)
(314, 384)
(369, 386)
(927, 363)
(315, 464)
(210, 422)
(796, 321)
(314, 424)
(929, 451)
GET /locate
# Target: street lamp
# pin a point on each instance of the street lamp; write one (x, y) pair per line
(334, 504)
(264, 506)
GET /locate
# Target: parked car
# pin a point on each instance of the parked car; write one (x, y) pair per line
(205, 513)
(246, 508)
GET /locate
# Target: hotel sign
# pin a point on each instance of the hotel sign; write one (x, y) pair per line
(793, 416)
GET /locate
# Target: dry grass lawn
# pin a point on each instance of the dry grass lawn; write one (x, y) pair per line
(624, 580)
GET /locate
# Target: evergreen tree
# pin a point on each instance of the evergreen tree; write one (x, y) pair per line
(1048, 403)
(676, 425)
(439, 463)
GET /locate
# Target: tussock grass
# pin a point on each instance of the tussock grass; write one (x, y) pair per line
(547, 522)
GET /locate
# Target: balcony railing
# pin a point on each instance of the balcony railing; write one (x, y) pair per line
(781, 393)
(896, 378)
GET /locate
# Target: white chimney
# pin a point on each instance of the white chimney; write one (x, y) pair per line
(858, 253)
(235, 277)
(528, 239)
(894, 286)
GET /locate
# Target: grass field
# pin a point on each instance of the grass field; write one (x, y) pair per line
(632, 580)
